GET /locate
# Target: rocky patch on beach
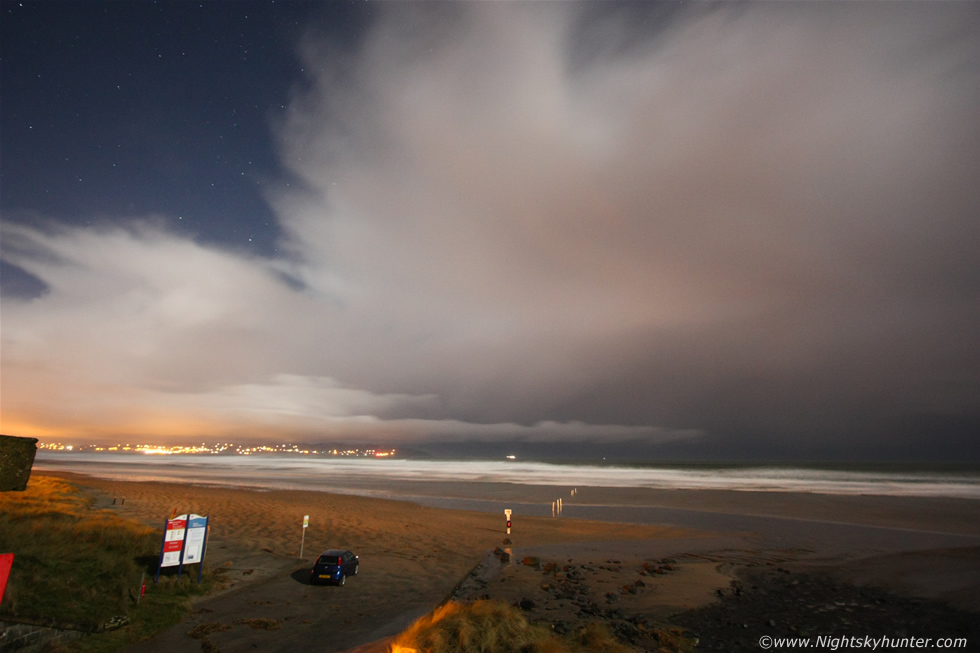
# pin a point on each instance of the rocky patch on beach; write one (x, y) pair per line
(744, 597)
(566, 595)
(772, 602)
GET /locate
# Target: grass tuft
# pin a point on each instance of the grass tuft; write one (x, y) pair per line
(494, 627)
(260, 624)
(201, 631)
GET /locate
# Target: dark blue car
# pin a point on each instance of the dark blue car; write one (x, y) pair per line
(334, 566)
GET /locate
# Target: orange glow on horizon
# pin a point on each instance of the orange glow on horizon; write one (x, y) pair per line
(214, 448)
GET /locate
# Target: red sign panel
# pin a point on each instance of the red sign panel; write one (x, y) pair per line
(6, 561)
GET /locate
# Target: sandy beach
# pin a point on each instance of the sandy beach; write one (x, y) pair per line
(563, 571)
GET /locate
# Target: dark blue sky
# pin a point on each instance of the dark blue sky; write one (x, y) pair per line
(114, 109)
(741, 230)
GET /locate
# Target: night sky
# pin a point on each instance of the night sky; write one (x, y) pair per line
(706, 231)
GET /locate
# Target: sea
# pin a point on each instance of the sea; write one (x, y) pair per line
(371, 476)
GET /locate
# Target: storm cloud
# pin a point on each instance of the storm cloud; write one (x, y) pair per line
(736, 227)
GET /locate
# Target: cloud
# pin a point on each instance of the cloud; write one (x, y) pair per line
(757, 216)
(143, 333)
(747, 221)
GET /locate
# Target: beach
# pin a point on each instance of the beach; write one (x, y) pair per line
(694, 550)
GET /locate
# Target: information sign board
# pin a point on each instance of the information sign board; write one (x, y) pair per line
(173, 541)
(194, 542)
(185, 541)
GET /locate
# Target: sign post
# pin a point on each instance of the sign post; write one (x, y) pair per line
(507, 515)
(306, 523)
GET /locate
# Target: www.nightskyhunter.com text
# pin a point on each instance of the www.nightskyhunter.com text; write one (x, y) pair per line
(868, 643)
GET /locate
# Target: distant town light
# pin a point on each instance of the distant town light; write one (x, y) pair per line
(220, 448)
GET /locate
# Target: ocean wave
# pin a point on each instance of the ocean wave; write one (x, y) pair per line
(331, 473)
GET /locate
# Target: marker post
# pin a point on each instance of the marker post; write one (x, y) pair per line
(507, 515)
(306, 523)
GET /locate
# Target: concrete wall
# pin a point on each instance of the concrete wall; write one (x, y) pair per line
(25, 638)
(16, 460)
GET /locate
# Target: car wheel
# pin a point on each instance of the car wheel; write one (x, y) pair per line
(355, 570)
(343, 579)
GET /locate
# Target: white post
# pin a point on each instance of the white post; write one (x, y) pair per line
(306, 522)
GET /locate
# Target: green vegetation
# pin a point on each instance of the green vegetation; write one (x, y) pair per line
(493, 627)
(81, 567)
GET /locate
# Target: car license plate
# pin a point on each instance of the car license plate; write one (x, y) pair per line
(324, 575)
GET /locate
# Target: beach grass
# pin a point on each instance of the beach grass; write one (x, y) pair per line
(493, 626)
(80, 568)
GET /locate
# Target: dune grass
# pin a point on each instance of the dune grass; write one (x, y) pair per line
(494, 627)
(79, 567)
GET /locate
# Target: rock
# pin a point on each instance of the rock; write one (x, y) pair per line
(526, 604)
(531, 561)
(627, 632)
(504, 557)
(116, 622)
